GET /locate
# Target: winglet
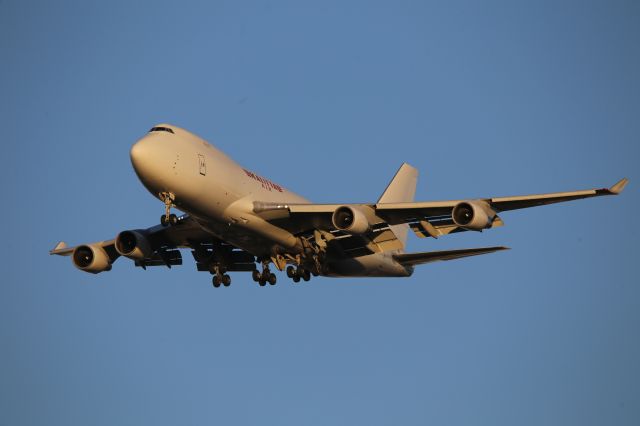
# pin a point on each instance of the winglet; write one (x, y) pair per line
(60, 245)
(619, 186)
(62, 249)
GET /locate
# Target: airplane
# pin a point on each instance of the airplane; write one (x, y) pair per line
(235, 219)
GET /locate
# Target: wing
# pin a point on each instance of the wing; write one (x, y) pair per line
(431, 218)
(183, 234)
(160, 246)
(406, 212)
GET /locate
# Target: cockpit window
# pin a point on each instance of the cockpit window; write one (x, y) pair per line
(161, 129)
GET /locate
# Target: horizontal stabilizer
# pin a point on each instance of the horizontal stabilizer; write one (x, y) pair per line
(411, 259)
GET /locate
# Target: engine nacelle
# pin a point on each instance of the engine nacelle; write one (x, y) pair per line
(134, 245)
(350, 219)
(475, 215)
(91, 258)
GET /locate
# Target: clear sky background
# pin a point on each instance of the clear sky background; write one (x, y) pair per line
(328, 99)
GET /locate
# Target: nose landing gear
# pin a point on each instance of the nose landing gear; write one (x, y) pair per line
(168, 218)
(172, 220)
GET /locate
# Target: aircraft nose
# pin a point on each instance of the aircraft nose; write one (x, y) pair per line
(149, 160)
(140, 153)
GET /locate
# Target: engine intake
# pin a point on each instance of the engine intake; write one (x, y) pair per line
(134, 245)
(91, 258)
(475, 215)
(350, 219)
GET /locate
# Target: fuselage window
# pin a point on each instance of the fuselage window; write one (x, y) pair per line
(161, 129)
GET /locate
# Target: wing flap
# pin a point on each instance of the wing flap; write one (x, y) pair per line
(438, 227)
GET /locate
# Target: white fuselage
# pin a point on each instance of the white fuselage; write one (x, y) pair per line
(220, 194)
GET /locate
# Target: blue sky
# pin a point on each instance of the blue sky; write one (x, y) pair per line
(327, 99)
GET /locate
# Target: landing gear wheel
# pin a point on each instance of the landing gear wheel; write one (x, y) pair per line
(266, 276)
(296, 278)
(163, 220)
(306, 275)
(255, 275)
(216, 281)
(291, 272)
(226, 280)
(272, 279)
(173, 219)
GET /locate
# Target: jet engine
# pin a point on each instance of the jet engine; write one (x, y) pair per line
(134, 245)
(475, 215)
(350, 219)
(91, 258)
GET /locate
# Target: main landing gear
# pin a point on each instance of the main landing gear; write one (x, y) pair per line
(220, 278)
(168, 218)
(297, 273)
(264, 277)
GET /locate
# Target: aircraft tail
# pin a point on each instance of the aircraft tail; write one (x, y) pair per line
(413, 259)
(401, 189)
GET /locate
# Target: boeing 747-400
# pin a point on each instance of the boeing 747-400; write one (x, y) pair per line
(236, 220)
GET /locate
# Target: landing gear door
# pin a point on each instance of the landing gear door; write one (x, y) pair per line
(202, 165)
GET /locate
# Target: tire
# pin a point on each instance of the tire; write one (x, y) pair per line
(255, 275)
(173, 219)
(306, 275)
(262, 283)
(163, 220)
(296, 278)
(216, 281)
(226, 280)
(290, 271)
(272, 279)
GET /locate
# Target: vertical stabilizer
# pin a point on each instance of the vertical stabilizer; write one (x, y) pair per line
(401, 189)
